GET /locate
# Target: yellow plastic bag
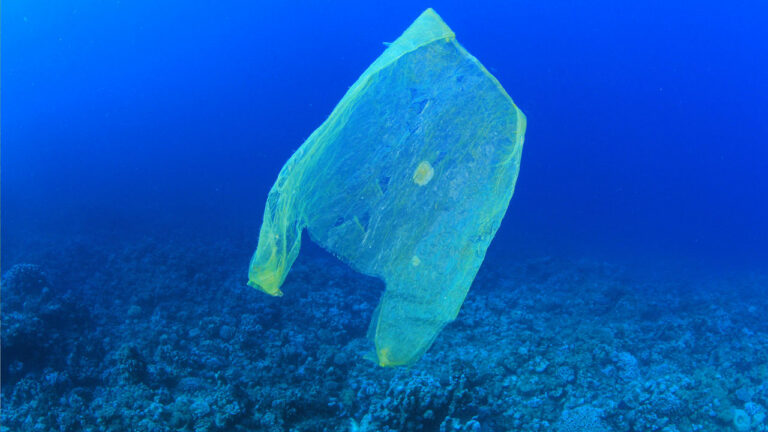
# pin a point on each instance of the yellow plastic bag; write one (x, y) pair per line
(407, 180)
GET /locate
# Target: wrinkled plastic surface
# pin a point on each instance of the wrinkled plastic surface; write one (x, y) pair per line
(407, 180)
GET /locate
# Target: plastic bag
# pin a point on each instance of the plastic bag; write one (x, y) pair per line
(407, 180)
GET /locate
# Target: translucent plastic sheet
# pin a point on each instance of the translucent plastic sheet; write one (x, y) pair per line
(407, 180)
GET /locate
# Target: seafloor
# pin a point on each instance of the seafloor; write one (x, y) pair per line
(146, 335)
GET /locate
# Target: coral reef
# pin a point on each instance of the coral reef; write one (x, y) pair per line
(164, 336)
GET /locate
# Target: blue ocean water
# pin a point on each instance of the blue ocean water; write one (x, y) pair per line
(626, 289)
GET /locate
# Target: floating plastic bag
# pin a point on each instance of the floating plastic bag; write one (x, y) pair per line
(407, 180)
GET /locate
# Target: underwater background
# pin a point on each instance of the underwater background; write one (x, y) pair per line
(626, 290)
